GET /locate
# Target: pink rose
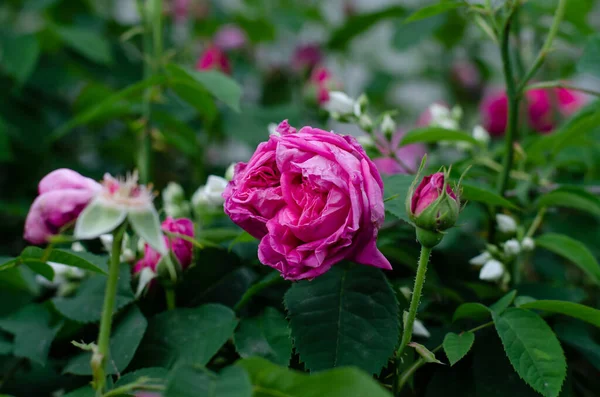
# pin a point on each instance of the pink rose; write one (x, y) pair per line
(313, 197)
(182, 249)
(63, 194)
(427, 192)
(230, 37)
(214, 58)
(410, 155)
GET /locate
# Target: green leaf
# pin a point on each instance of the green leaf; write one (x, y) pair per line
(359, 23)
(87, 43)
(457, 346)
(147, 225)
(486, 196)
(269, 380)
(348, 316)
(571, 197)
(425, 353)
(192, 92)
(97, 219)
(395, 188)
(156, 373)
(578, 335)
(86, 305)
(19, 56)
(410, 35)
(575, 310)
(186, 381)
(503, 303)
(124, 340)
(432, 10)
(6, 344)
(34, 332)
(5, 145)
(589, 61)
(267, 335)
(532, 349)
(474, 311)
(85, 391)
(436, 134)
(572, 250)
(82, 260)
(173, 336)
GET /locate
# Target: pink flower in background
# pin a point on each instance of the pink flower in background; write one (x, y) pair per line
(63, 194)
(313, 197)
(410, 155)
(467, 77)
(306, 56)
(321, 82)
(230, 37)
(214, 58)
(180, 9)
(540, 103)
(182, 249)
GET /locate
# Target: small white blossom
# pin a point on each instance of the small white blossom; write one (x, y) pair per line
(492, 270)
(420, 330)
(173, 193)
(77, 247)
(62, 274)
(443, 117)
(365, 141)
(528, 244)
(339, 103)
(506, 224)
(272, 127)
(230, 171)
(512, 247)
(209, 196)
(388, 125)
(481, 259)
(481, 135)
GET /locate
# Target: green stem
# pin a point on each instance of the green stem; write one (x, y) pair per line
(536, 222)
(414, 306)
(99, 358)
(558, 16)
(560, 84)
(170, 296)
(406, 375)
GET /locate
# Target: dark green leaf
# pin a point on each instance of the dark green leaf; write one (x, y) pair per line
(503, 303)
(532, 349)
(82, 260)
(432, 10)
(19, 56)
(124, 340)
(192, 91)
(410, 35)
(86, 305)
(269, 380)
(5, 145)
(348, 316)
(486, 196)
(575, 310)
(87, 43)
(34, 332)
(457, 346)
(156, 373)
(395, 189)
(572, 250)
(186, 381)
(571, 197)
(267, 335)
(85, 391)
(474, 311)
(589, 61)
(436, 134)
(173, 336)
(577, 335)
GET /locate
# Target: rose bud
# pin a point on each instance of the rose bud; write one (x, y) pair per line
(63, 194)
(433, 207)
(214, 58)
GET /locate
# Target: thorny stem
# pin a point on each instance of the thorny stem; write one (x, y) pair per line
(99, 358)
(414, 306)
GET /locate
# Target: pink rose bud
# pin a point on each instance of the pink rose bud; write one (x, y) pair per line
(63, 195)
(182, 249)
(306, 57)
(410, 155)
(214, 58)
(569, 101)
(230, 37)
(320, 84)
(313, 198)
(432, 206)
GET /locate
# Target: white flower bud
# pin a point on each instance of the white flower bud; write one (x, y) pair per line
(273, 129)
(388, 126)
(481, 259)
(528, 244)
(77, 247)
(209, 196)
(230, 171)
(420, 330)
(492, 270)
(506, 224)
(438, 112)
(365, 141)
(456, 113)
(365, 123)
(173, 193)
(512, 247)
(481, 135)
(339, 103)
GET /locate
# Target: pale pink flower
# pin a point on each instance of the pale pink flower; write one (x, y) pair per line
(230, 37)
(410, 155)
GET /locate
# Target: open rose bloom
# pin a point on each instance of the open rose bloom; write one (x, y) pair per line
(313, 198)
